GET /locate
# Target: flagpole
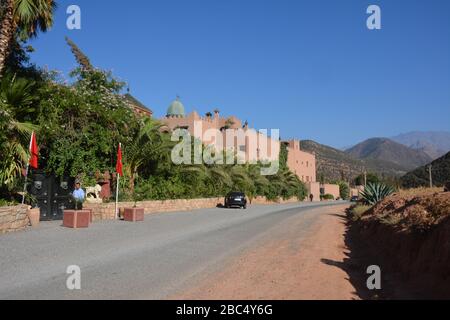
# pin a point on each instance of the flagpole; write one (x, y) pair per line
(25, 184)
(27, 171)
(117, 190)
(117, 197)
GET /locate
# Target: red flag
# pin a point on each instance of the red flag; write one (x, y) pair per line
(34, 152)
(119, 166)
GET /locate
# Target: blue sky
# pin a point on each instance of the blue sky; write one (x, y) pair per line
(310, 68)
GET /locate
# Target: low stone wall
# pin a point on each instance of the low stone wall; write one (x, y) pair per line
(264, 201)
(13, 219)
(105, 211)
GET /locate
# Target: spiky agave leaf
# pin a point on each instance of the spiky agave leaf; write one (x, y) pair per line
(376, 192)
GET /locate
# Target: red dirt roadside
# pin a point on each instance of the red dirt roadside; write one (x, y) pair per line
(291, 265)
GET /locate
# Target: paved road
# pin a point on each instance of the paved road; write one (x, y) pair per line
(149, 260)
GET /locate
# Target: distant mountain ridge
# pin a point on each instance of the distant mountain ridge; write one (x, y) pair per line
(389, 151)
(420, 177)
(334, 164)
(434, 143)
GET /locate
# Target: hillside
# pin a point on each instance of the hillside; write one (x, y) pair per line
(420, 176)
(332, 163)
(435, 144)
(383, 149)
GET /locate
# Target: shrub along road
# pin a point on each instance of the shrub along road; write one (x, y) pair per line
(164, 256)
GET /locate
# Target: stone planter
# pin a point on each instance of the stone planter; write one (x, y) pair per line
(35, 216)
(133, 214)
(77, 219)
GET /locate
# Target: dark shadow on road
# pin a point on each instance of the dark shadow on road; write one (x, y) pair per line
(356, 262)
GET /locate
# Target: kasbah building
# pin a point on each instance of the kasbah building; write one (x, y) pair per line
(255, 146)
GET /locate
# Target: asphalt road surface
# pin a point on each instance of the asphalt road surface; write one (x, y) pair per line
(154, 259)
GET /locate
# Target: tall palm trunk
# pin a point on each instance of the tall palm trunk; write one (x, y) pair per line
(6, 31)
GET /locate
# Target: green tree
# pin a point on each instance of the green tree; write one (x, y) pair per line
(344, 190)
(371, 178)
(82, 124)
(148, 144)
(22, 19)
(15, 99)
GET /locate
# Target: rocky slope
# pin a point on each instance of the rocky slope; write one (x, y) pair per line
(386, 150)
(408, 237)
(334, 164)
(435, 144)
(420, 177)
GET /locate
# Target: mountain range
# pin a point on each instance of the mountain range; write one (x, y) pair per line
(393, 157)
(334, 164)
(386, 150)
(434, 143)
(440, 169)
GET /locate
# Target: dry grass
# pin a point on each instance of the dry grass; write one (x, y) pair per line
(357, 211)
(418, 192)
(414, 209)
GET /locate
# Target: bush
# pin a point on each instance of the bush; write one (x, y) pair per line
(447, 187)
(357, 211)
(344, 190)
(327, 197)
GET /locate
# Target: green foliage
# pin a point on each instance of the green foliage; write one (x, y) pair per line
(79, 125)
(81, 58)
(327, 197)
(82, 124)
(6, 203)
(344, 190)
(357, 211)
(375, 192)
(421, 176)
(15, 102)
(372, 178)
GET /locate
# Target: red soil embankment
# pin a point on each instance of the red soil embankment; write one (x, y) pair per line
(410, 236)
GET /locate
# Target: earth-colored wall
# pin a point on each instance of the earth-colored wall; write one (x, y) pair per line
(105, 211)
(314, 189)
(13, 219)
(303, 164)
(332, 189)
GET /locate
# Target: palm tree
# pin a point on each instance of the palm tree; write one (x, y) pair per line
(23, 19)
(148, 143)
(217, 174)
(260, 182)
(14, 135)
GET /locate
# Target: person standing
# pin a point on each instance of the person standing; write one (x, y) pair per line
(79, 196)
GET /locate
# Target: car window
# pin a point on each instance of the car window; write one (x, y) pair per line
(235, 194)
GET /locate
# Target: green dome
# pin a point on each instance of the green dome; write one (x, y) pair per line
(176, 109)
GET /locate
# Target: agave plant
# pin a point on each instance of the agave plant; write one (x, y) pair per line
(375, 192)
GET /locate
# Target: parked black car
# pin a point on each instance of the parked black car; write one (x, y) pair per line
(354, 199)
(236, 199)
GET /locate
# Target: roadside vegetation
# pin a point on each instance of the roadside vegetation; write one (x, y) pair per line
(408, 234)
(79, 122)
